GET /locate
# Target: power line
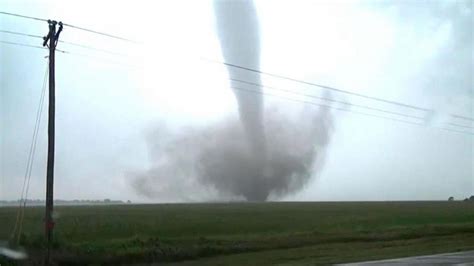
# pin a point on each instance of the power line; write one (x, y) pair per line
(318, 85)
(22, 16)
(73, 26)
(457, 131)
(22, 44)
(61, 41)
(29, 163)
(279, 76)
(344, 110)
(328, 99)
(32, 46)
(341, 102)
(70, 53)
(101, 59)
(101, 33)
(22, 34)
(38, 123)
(92, 48)
(255, 84)
(463, 117)
(457, 125)
(321, 105)
(330, 88)
(227, 64)
(306, 95)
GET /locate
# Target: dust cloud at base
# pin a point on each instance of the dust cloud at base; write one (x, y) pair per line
(216, 162)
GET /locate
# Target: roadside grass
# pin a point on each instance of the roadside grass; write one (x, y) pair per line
(333, 253)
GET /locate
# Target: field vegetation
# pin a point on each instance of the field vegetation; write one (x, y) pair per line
(245, 233)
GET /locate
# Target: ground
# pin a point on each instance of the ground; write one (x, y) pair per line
(247, 233)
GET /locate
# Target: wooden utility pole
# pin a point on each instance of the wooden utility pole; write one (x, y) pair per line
(49, 223)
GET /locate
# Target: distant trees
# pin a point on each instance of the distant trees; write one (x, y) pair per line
(38, 202)
(471, 199)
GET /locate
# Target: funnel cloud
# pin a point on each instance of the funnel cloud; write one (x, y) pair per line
(238, 29)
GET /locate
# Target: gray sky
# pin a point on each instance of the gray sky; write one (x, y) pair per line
(109, 107)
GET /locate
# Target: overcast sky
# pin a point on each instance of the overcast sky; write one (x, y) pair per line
(111, 108)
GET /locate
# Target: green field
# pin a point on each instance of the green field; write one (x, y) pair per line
(247, 233)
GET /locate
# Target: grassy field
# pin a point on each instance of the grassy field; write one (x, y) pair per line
(247, 233)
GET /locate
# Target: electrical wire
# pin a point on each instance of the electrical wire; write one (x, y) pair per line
(255, 84)
(306, 95)
(224, 63)
(71, 53)
(340, 102)
(22, 16)
(106, 60)
(329, 88)
(321, 105)
(457, 125)
(38, 123)
(92, 48)
(101, 33)
(318, 85)
(463, 117)
(21, 34)
(72, 26)
(32, 46)
(24, 45)
(342, 109)
(327, 99)
(29, 164)
(65, 42)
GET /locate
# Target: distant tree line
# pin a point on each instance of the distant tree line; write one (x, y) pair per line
(470, 199)
(64, 202)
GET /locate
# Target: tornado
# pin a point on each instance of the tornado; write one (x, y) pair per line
(261, 154)
(238, 32)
